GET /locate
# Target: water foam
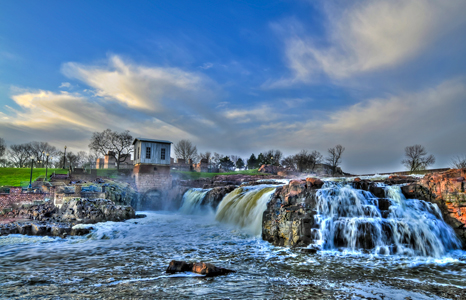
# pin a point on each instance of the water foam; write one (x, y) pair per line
(354, 219)
(192, 201)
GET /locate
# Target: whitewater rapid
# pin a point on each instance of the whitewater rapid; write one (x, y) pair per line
(128, 259)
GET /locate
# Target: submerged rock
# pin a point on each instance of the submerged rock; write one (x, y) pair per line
(207, 269)
(61, 229)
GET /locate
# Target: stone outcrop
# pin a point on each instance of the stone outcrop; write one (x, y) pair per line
(289, 217)
(88, 211)
(271, 169)
(47, 219)
(215, 195)
(207, 269)
(447, 190)
(121, 194)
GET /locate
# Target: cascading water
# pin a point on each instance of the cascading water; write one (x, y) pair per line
(245, 206)
(355, 219)
(192, 201)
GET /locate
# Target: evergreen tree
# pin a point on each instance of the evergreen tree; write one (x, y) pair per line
(252, 162)
(240, 163)
(261, 160)
(226, 163)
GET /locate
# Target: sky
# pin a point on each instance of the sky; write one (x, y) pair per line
(240, 77)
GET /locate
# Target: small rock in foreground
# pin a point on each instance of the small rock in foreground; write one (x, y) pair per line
(202, 268)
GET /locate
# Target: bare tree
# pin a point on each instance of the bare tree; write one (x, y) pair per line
(19, 154)
(39, 151)
(2, 147)
(302, 160)
(185, 149)
(459, 162)
(273, 157)
(417, 158)
(334, 157)
(289, 162)
(206, 155)
(117, 144)
(316, 158)
(73, 159)
(216, 159)
(234, 158)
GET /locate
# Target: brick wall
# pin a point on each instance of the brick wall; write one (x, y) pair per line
(149, 177)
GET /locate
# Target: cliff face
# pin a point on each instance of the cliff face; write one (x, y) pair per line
(289, 217)
(447, 190)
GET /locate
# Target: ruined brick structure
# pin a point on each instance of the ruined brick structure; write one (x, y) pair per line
(202, 166)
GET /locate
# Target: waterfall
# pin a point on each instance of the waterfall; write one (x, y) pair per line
(354, 219)
(192, 201)
(245, 206)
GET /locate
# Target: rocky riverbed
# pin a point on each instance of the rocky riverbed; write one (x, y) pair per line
(49, 220)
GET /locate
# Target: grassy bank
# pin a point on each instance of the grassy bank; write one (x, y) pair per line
(196, 175)
(14, 176)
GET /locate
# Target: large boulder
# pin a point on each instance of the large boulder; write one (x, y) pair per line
(215, 195)
(207, 269)
(289, 217)
(91, 211)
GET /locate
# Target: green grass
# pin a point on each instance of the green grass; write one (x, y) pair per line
(197, 175)
(110, 173)
(14, 176)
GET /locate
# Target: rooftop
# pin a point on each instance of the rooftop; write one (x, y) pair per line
(151, 140)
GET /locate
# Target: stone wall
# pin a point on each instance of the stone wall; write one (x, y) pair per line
(152, 177)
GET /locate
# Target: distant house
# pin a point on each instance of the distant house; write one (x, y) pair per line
(149, 151)
(109, 162)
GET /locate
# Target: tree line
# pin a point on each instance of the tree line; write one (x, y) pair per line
(21, 155)
(302, 161)
(119, 146)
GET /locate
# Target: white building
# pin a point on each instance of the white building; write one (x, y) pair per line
(149, 151)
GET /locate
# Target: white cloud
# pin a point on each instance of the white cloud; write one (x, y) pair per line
(260, 114)
(141, 87)
(65, 85)
(368, 36)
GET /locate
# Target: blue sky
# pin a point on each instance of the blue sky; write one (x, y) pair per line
(238, 77)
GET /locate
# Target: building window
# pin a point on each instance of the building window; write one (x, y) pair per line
(137, 153)
(162, 154)
(147, 152)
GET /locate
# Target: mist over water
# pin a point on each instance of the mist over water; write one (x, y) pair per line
(128, 259)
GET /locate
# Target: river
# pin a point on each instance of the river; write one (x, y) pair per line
(128, 260)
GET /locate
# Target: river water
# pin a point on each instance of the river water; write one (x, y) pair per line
(128, 260)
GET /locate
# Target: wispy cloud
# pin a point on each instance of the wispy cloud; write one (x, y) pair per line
(366, 36)
(65, 85)
(206, 66)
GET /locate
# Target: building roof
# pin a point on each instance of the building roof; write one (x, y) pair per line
(151, 140)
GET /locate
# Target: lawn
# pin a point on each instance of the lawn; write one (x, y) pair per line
(196, 175)
(14, 176)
